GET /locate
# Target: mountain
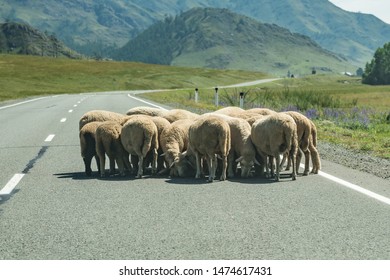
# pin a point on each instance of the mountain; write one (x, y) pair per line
(218, 38)
(23, 39)
(95, 26)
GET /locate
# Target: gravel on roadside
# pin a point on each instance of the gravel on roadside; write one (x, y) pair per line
(355, 159)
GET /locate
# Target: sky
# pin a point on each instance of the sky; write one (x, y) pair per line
(379, 8)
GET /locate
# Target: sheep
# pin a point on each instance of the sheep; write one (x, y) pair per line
(108, 142)
(242, 149)
(230, 111)
(305, 129)
(315, 156)
(174, 141)
(101, 116)
(261, 111)
(274, 135)
(161, 124)
(208, 136)
(139, 136)
(143, 110)
(178, 114)
(87, 135)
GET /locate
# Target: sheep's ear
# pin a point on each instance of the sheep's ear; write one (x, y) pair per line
(256, 162)
(173, 163)
(239, 159)
(183, 154)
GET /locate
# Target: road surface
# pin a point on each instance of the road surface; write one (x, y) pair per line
(50, 210)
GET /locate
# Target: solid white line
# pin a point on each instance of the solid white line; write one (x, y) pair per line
(49, 138)
(63, 120)
(20, 103)
(355, 187)
(10, 186)
(146, 102)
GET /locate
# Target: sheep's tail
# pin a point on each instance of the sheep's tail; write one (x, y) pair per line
(224, 141)
(314, 134)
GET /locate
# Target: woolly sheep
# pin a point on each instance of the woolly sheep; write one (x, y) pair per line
(101, 116)
(305, 130)
(108, 142)
(208, 136)
(261, 111)
(144, 110)
(174, 141)
(161, 124)
(274, 135)
(242, 149)
(178, 114)
(87, 135)
(139, 136)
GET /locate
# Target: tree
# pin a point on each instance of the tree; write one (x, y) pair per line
(377, 72)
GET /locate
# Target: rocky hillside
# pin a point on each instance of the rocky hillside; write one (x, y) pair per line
(23, 39)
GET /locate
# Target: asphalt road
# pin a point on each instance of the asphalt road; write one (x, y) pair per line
(55, 212)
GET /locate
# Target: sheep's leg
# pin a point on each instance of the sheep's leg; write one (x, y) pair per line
(112, 165)
(285, 157)
(87, 164)
(198, 165)
(293, 158)
(307, 162)
(231, 164)
(277, 176)
(298, 160)
(271, 162)
(224, 167)
(315, 158)
(135, 163)
(127, 163)
(140, 167)
(102, 166)
(211, 161)
(121, 165)
(154, 161)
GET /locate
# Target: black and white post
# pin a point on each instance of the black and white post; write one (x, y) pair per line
(196, 95)
(241, 99)
(216, 97)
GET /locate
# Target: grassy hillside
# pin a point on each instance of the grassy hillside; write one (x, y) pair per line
(218, 38)
(24, 76)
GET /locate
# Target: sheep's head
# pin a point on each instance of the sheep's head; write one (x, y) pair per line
(246, 165)
(183, 165)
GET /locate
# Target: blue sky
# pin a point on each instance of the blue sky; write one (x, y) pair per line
(379, 8)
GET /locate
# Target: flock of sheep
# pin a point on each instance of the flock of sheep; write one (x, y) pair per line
(181, 143)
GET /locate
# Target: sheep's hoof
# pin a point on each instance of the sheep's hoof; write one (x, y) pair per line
(294, 177)
(223, 178)
(138, 176)
(305, 173)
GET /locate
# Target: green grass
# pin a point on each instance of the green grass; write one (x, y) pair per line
(25, 76)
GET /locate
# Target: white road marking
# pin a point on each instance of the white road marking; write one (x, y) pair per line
(75, 105)
(63, 120)
(10, 186)
(49, 138)
(146, 102)
(70, 111)
(20, 103)
(355, 187)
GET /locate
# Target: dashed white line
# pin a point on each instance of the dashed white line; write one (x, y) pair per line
(75, 105)
(63, 120)
(49, 138)
(10, 186)
(70, 111)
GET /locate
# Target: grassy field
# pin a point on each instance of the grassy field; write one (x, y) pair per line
(24, 76)
(345, 111)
